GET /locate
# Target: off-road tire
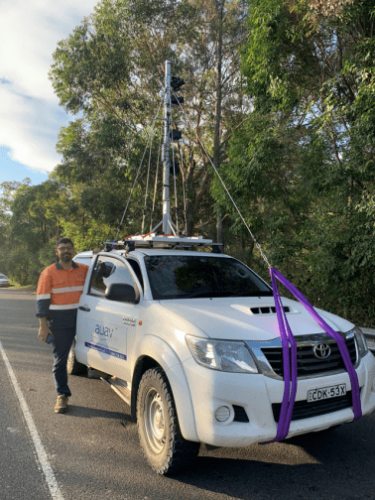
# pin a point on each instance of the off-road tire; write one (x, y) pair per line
(165, 449)
(73, 366)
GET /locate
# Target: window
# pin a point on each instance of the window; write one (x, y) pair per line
(175, 277)
(83, 260)
(108, 270)
(137, 270)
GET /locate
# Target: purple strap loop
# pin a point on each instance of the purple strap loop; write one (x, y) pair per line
(290, 369)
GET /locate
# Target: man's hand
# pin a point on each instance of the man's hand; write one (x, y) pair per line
(43, 329)
(43, 333)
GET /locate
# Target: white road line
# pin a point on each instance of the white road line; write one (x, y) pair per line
(39, 448)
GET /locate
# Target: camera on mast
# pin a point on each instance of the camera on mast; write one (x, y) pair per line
(175, 135)
(176, 83)
(176, 100)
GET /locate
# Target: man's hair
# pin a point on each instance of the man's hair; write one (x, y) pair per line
(64, 240)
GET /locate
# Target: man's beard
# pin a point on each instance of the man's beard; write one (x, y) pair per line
(66, 258)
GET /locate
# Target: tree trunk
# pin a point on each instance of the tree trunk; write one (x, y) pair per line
(217, 137)
(219, 225)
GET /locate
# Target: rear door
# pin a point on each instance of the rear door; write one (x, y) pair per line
(105, 327)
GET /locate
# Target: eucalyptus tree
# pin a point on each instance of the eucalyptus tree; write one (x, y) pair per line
(109, 74)
(30, 223)
(302, 166)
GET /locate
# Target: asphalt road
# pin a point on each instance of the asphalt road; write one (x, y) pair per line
(93, 451)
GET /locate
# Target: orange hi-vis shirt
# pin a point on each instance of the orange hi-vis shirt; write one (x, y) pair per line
(59, 291)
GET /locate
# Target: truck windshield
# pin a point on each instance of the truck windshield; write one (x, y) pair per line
(186, 277)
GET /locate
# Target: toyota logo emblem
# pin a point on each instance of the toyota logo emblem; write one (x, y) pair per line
(322, 351)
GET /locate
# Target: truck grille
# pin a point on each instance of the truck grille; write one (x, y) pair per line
(303, 409)
(307, 363)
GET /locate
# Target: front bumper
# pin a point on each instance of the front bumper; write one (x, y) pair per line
(211, 389)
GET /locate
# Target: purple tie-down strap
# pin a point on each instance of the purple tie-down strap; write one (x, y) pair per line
(290, 375)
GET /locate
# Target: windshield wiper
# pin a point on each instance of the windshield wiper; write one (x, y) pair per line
(264, 293)
(227, 294)
(217, 294)
(194, 295)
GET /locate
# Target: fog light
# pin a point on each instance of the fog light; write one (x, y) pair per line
(222, 414)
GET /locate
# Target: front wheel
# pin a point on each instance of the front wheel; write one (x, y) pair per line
(163, 445)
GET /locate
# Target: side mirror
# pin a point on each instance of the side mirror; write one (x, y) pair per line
(122, 293)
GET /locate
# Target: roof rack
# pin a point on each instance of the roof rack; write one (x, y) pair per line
(169, 241)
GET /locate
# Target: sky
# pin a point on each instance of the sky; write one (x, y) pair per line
(30, 116)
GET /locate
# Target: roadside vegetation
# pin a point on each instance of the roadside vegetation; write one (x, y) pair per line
(281, 95)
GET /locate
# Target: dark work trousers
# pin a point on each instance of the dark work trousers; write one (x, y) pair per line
(62, 342)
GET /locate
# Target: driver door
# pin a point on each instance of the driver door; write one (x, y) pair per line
(108, 324)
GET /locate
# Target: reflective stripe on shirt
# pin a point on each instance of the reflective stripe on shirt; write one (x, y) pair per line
(66, 307)
(68, 289)
(60, 289)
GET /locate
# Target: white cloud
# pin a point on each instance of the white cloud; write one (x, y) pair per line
(30, 117)
(29, 127)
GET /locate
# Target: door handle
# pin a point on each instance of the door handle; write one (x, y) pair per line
(84, 308)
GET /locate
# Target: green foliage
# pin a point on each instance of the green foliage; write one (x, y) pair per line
(293, 137)
(28, 222)
(108, 74)
(94, 58)
(103, 147)
(307, 151)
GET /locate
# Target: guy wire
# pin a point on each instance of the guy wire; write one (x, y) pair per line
(136, 178)
(226, 190)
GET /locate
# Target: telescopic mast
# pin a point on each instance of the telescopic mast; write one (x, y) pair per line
(170, 236)
(167, 221)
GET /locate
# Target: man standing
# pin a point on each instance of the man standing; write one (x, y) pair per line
(59, 289)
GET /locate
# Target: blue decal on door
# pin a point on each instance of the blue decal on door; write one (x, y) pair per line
(105, 350)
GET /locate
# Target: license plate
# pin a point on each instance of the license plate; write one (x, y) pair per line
(333, 391)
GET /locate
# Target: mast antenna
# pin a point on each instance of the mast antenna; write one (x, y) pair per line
(170, 237)
(167, 220)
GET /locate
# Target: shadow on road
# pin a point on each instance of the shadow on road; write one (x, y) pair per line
(326, 465)
(86, 412)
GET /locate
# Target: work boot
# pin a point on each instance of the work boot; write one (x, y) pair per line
(61, 405)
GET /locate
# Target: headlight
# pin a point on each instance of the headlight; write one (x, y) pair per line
(223, 355)
(361, 341)
(369, 334)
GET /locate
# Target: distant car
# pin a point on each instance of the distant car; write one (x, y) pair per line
(4, 280)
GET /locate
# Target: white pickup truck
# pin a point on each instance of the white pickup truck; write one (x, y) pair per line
(191, 342)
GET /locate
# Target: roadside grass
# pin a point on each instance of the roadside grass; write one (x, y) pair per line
(16, 286)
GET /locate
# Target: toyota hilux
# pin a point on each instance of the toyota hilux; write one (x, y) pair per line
(190, 340)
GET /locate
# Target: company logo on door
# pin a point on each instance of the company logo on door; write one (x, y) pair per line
(104, 331)
(128, 321)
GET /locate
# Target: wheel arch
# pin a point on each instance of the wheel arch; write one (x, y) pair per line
(143, 364)
(157, 353)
